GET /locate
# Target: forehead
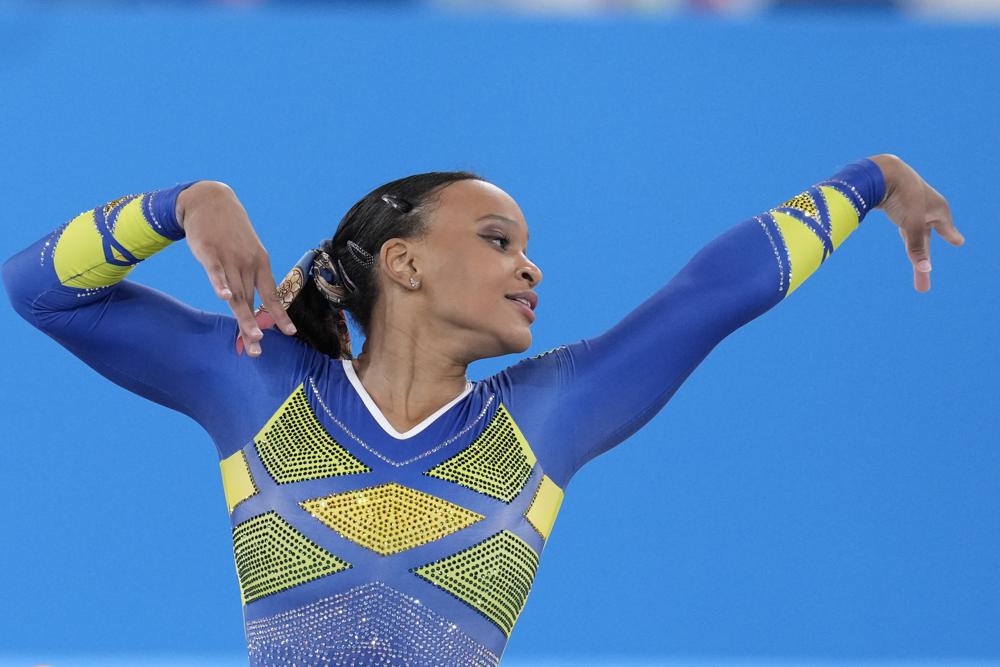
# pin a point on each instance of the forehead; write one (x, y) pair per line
(461, 203)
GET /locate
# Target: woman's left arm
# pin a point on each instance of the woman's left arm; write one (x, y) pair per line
(579, 400)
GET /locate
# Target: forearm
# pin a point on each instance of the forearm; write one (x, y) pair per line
(808, 228)
(71, 265)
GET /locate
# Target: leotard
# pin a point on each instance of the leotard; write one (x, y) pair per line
(355, 544)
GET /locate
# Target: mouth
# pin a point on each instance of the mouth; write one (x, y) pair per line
(528, 298)
(525, 304)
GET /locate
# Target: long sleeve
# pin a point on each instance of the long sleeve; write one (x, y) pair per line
(580, 400)
(70, 285)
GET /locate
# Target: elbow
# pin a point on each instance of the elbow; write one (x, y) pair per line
(17, 284)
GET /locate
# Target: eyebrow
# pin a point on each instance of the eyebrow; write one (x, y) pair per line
(494, 216)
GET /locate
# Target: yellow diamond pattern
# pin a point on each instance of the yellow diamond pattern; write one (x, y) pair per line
(390, 518)
(493, 577)
(497, 463)
(294, 446)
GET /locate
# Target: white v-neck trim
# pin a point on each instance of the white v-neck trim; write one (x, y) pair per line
(380, 418)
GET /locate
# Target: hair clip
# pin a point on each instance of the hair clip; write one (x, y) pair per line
(398, 203)
(360, 255)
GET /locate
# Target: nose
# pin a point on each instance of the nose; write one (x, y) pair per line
(531, 273)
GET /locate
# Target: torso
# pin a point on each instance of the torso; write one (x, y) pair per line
(359, 543)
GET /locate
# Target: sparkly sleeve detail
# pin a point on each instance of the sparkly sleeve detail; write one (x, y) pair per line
(101, 246)
(805, 230)
(71, 284)
(581, 399)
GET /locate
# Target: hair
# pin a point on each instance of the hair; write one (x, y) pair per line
(370, 223)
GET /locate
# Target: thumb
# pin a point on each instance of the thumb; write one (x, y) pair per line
(946, 228)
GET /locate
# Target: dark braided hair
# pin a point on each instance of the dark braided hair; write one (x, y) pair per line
(401, 213)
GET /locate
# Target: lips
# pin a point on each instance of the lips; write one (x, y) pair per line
(530, 299)
(525, 302)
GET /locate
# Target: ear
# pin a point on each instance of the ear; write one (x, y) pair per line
(398, 258)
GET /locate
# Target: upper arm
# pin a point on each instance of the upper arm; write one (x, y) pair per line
(70, 285)
(149, 343)
(581, 399)
(183, 358)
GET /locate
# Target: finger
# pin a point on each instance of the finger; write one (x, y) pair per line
(217, 276)
(249, 330)
(269, 295)
(917, 240)
(249, 293)
(250, 298)
(948, 232)
(943, 223)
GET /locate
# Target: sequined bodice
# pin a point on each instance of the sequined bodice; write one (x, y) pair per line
(364, 549)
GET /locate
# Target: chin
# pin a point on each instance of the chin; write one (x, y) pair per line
(521, 342)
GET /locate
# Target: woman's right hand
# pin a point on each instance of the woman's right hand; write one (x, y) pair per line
(221, 238)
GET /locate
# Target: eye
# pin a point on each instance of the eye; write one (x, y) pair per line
(504, 241)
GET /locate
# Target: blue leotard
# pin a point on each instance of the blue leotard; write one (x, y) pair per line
(358, 545)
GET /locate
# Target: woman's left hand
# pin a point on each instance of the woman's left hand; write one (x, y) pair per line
(915, 207)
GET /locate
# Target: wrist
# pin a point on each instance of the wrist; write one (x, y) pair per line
(197, 194)
(890, 166)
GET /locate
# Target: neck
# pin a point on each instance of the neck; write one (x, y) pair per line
(408, 377)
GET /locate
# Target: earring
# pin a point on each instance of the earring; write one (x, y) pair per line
(414, 283)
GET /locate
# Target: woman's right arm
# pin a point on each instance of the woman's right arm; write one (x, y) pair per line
(70, 285)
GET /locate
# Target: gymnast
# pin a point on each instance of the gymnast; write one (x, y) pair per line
(385, 508)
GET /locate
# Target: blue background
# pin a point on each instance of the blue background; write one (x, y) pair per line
(824, 485)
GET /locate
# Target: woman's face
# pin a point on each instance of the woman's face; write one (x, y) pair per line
(472, 259)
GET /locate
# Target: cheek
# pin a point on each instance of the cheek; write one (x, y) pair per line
(471, 287)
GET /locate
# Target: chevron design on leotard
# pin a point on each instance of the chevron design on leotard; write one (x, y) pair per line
(493, 577)
(294, 446)
(498, 463)
(272, 556)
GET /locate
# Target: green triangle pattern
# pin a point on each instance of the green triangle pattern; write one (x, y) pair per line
(493, 577)
(272, 556)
